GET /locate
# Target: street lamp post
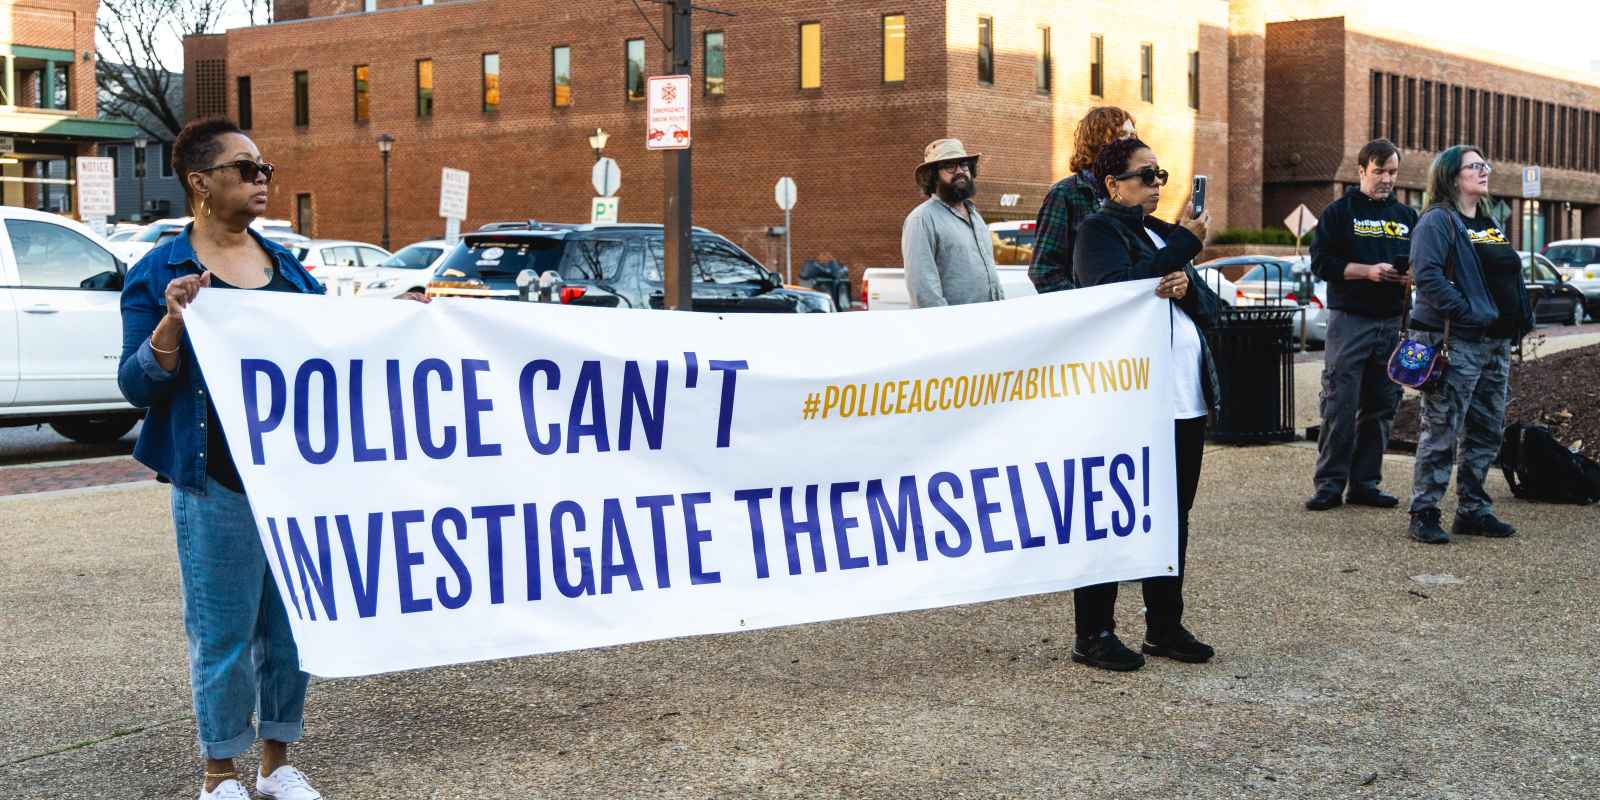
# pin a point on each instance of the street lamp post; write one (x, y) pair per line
(597, 141)
(385, 143)
(139, 144)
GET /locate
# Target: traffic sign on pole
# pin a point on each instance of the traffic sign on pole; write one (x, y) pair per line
(1300, 221)
(604, 210)
(1530, 182)
(785, 194)
(606, 177)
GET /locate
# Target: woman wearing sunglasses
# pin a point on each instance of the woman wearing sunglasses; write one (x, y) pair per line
(242, 658)
(1124, 242)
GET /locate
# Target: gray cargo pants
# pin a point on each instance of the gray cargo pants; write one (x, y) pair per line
(1358, 401)
(1470, 408)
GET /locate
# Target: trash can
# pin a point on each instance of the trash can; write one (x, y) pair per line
(1253, 347)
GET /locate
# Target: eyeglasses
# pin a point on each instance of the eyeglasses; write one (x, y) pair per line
(1151, 176)
(958, 166)
(248, 170)
(1481, 167)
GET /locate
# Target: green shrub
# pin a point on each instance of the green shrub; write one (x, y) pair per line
(1256, 236)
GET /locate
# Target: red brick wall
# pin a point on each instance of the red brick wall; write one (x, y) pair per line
(63, 25)
(1304, 104)
(1247, 48)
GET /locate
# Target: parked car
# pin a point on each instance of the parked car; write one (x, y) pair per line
(1012, 241)
(133, 248)
(408, 270)
(884, 288)
(1578, 260)
(615, 266)
(334, 260)
(1552, 297)
(60, 305)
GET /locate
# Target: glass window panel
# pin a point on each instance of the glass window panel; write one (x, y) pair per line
(716, 64)
(561, 77)
(985, 50)
(425, 87)
(894, 48)
(811, 55)
(363, 99)
(635, 69)
(491, 81)
(51, 256)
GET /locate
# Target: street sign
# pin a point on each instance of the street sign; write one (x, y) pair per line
(96, 189)
(667, 113)
(784, 193)
(1530, 182)
(453, 193)
(1501, 210)
(1300, 221)
(606, 177)
(604, 211)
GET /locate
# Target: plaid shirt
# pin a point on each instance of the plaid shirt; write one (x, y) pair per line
(1068, 204)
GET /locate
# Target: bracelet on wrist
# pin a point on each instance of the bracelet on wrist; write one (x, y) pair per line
(158, 350)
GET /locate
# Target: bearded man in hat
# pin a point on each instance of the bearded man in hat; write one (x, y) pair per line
(949, 259)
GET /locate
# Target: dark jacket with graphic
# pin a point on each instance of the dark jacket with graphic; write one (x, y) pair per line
(1355, 229)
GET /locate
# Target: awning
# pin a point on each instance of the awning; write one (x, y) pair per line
(38, 126)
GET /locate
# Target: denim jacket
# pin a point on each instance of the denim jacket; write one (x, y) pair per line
(173, 440)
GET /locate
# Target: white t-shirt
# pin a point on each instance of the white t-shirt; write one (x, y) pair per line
(1189, 401)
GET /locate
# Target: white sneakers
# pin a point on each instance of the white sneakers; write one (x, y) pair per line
(229, 789)
(285, 783)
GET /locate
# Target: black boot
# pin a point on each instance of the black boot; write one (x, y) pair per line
(1482, 523)
(1325, 499)
(1178, 644)
(1373, 497)
(1106, 651)
(1425, 527)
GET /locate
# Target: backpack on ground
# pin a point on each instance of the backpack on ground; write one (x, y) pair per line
(1540, 469)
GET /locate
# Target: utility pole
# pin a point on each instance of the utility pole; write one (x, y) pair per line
(677, 175)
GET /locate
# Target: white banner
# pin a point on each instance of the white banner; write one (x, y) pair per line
(476, 479)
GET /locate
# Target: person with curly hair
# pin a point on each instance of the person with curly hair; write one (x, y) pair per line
(1073, 198)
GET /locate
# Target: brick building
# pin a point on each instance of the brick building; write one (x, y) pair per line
(1331, 87)
(47, 101)
(840, 96)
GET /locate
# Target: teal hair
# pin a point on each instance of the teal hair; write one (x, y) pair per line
(1442, 179)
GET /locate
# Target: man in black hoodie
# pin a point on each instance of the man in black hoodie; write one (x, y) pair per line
(1357, 241)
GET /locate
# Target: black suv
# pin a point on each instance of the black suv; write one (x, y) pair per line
(615, 266)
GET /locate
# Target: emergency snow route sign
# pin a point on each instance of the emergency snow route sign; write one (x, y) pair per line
(667, 113)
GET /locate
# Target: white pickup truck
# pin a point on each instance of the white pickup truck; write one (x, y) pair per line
(884, 288)
(60, 328)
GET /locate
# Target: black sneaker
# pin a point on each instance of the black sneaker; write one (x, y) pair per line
(1483, 523)
(1106, 652)
(1177, 644)
(1374, 497)
(1425, 527)
(1324, 499)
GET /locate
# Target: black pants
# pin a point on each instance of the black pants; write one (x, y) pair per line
(1095, 606)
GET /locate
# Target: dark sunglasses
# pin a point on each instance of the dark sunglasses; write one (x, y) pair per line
(1149, 175)
(248, 170)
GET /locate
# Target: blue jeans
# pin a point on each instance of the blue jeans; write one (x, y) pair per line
(242, 657)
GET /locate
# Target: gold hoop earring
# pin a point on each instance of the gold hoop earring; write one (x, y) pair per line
(205, 206)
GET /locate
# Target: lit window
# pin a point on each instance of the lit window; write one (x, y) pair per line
(894, 48)
(811, 55)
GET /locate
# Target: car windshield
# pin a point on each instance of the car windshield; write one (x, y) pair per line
(413, 257)
(494, 256)
(122, 236)
(154, 233)
(1270, 272)
(1017, 238)
(1574, 255)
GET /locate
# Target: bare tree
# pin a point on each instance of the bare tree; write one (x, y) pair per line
(134, 82)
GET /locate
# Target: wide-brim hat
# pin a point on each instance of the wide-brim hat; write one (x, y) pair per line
(942, 150)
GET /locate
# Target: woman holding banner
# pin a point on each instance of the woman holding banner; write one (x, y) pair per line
(242, 657)
(1124, 242)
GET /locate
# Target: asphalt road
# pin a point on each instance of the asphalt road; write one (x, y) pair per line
(40, 444)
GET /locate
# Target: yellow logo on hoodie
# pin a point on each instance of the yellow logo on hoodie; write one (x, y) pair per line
(1382, 229)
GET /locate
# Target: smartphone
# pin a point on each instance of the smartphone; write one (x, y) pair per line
(1401, 262)
(1199, 195)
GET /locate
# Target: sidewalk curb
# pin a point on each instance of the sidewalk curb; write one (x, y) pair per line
(75, 492)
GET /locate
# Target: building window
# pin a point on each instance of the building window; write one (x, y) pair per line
(116, 163)
(210, 87)
(1194, 79)
(63, 89)
(363, 99)
(561, 77)
(1375, 106)
(245, 115)
(1425, 121)
(1562, 146)
(894, 48)
(491, 82)
(1456, 128)
(1393, 111)
(166, 159)
(811, 55)
(1097, 65)
(1044, 65)
(633, 74)
(1410, 132)
(1469, 126)
(1549, 134)
(1147, 73)
(716, 64)
(986, 50)
(302, 99)
(302, 214)
(425, 88)
(1442, 102)
(369, 5)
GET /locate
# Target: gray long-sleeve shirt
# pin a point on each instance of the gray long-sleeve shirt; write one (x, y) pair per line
(949, 261)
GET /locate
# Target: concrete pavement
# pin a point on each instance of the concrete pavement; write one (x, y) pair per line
(1338, 676)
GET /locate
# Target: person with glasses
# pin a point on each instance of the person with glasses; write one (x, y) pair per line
(242, 657)
(949, 258)
(1470, 294)
(1073, 199)
(1124, 241)
(1358, 239)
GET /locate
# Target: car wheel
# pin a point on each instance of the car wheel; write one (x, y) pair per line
(94, 430)
(1577, 314)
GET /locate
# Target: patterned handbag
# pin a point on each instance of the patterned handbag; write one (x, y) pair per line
(1415, 364)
